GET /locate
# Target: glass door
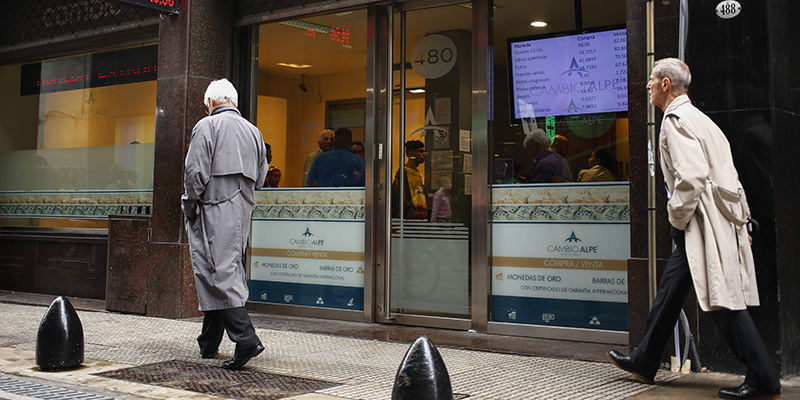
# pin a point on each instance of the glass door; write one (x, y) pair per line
(428, 166)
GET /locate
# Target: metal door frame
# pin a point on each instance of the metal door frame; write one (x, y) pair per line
(383, 175)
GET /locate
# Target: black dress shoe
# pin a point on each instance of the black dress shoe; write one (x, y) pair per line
(745, 391)
(208, 355)
(625, 363)
(240, 358)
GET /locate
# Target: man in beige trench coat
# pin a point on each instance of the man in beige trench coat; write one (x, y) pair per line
(708, 212)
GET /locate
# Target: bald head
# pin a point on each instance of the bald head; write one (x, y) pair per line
(560, 145)
(325, 140)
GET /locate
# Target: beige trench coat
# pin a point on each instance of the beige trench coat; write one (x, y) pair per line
(708, 202)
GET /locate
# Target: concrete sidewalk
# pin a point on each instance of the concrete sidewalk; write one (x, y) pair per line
(345, 368)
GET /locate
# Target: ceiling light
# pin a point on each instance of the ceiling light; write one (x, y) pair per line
(538, 24)
(293, 65)
(469, 5)
(416, 90)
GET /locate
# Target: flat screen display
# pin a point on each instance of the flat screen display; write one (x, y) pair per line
(568, 73)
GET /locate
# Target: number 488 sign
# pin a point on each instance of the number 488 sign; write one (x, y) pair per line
(433, 56)
(728, 9)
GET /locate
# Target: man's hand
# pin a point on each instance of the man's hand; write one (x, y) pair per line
(189, 207)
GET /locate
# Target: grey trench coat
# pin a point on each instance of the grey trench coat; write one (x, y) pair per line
(225, 163)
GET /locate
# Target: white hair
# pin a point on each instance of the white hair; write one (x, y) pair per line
(324, 133)
(220, 92)
(536, 141)
(676, 70)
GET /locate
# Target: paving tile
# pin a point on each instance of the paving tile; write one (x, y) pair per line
(363, 369)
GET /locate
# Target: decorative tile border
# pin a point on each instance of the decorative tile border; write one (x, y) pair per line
(567, 202)
(75, 204)
(563, 213)
(562, 203)
(336, 212)
(307, 203)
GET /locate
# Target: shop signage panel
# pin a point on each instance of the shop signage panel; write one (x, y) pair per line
(305, 261)
(560, 264)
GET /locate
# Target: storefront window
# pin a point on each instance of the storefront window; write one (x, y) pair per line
(76, 138)
(308, 234)
(560, 196)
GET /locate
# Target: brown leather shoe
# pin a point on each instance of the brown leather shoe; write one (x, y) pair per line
(745, 391)
(625, 363)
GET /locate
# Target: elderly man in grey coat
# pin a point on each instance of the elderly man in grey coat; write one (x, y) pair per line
(225, 163)
(708, 212)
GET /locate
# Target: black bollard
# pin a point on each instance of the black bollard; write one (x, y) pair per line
(59, 343)
(422, 374)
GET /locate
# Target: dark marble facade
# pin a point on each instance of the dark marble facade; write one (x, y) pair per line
(784, 56)
(58, 265)
(126, 277)
(743, 79)
(194, 49)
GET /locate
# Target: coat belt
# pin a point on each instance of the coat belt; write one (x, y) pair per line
(725, 199)
(211, 266)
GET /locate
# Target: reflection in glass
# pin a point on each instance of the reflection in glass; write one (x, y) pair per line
(80, 147)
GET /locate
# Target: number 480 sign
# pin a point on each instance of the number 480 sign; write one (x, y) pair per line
(433, 56)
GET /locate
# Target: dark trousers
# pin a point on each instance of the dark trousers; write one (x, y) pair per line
(736, 326)
(236, 321)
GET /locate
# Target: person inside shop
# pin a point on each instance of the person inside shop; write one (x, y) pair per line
(512, 176)
(325, 144)
(547, 166)
(119, 178)
(269, 153)
(603, 167)
(358, 149)
(708, 211)
(273, 177)
(415, 204)
(560, 146)
(518, 177)
(225, 163)
(340, 167)
(442, 210)
(131, 177)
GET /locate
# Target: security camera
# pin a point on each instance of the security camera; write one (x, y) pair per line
(302, 84)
